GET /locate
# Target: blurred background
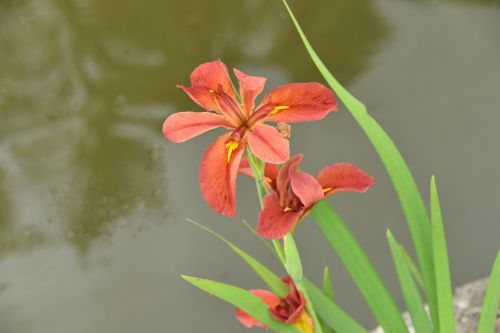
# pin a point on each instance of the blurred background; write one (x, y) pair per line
(93, 200)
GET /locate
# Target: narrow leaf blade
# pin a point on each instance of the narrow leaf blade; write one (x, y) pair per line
(269, 277)
(242, 299)
(330, 313)
(293, 264)
(359, 267)
(327, 284)
(446, 317)
(491, 301)
(409, 289)
(402, 179)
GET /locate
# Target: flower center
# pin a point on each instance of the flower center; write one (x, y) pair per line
(231, 146)
(278, 108)
(292, 203)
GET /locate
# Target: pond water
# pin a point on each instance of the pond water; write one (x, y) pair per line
(93, 200)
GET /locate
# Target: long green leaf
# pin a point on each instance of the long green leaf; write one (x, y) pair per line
(359, 267)
(327, 284)
(409, 288)
(402, 179)
(242, 299)
(293, 264)
(491, 301)
(413, 268)
(268, 276)
(446, 318)
(330, 313)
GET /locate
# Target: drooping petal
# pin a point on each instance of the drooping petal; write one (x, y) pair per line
(182, 126)
(274, 222)
(205, 79)
(306, 187)
(268, 297)
(342, 177)
(299, 102)
(218, 172)
(268, 145)
(283, 179)
(250, 88)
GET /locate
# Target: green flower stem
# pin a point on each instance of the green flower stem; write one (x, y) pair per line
(257, 167)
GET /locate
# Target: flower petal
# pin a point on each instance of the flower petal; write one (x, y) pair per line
(205, 79)
(212, 75)
(182, 126)
(250, 88)
(268, 145)
(306, 187)
(218, 173)
(295, 300)
(274, 222)
(268, 297)
(283, 179)
(300, 102)
(342, 177)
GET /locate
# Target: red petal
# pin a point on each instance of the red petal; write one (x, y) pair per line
(182, 126)
(283, 179)
(300, 102)
(250, 88)
(342, 177)
(268, 297)
(211, 75)
(306, 187)
(268, 145)
(274, 222)
(208, 77)
(218, 176)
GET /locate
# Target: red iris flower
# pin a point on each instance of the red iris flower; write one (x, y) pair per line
(293, 193)
(290, 309)
(211, 88)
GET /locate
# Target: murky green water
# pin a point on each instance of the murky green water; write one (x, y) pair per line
(93, 199)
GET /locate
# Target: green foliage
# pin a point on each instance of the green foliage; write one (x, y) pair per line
(292, 260)
(330, 313)
(446, 318)
(359, 267)
(272, 280)
(409, 288)
(491, 300)
(406, 188)
(242, 299)
(327, 284)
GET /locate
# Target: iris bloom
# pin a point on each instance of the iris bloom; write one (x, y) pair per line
(211, 88)
(290, 309)
(293, 193)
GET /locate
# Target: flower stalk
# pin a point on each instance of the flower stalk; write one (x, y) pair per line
(284, 253)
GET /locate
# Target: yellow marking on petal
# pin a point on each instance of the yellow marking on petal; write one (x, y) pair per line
(287, 209)
(279, 108)
(269, 180)
(327, 189)
(211, 91)
(304, 323)
(231, 146)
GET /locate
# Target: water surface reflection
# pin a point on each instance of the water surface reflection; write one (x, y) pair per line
(92, 198)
